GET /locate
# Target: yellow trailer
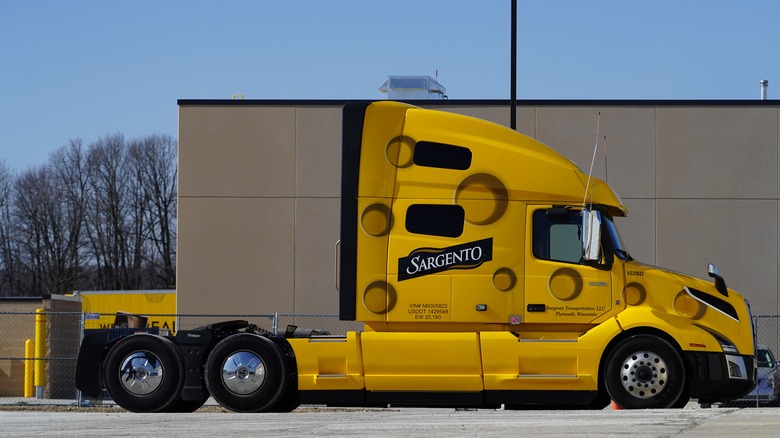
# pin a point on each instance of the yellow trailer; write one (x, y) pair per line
(159, 307)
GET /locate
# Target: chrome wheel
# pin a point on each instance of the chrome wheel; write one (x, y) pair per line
(144, 373)
(643, 374)
(249, 373)
(646, 372)
(243, 372)
(141, 373)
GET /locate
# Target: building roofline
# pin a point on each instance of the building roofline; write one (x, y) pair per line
(21, 299)
(487, 102)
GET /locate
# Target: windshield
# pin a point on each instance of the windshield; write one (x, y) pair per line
(620, 251)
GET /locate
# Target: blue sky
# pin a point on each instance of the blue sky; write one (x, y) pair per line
(85, 69)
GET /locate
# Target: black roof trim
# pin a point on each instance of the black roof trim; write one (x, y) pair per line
(21, 299)
(484, 102)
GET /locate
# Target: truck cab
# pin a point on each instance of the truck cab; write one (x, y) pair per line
(459, 225)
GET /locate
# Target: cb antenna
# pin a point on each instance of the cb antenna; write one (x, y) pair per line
(592, 161)
(606, 168)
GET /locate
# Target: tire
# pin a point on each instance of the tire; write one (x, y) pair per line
(682, 402)
(247, 373)
(144, 373)
(291, 398)
(186, 406)
(646, 372)
(288, 402)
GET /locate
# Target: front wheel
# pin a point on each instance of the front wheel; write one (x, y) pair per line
(645, 372)
(247, 373)
(144, 373)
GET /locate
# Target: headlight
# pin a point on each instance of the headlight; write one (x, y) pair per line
(725, 345)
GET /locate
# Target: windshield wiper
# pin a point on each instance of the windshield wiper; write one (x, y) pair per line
(624, 255)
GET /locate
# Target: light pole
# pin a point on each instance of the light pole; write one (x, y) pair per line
(513, 68)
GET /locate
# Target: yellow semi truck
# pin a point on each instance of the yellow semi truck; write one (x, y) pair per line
(487, 270)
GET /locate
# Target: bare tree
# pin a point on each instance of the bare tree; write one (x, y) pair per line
(69, 171)
(49, 229)
(30, 191)
(107, 221)
(155, 161)
(96, 217)
(9, 255)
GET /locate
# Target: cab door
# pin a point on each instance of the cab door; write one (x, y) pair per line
(560, 286)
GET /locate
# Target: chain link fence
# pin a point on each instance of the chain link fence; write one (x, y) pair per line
(62, 332)
(16, 329)
(59, 335)
(767, 390)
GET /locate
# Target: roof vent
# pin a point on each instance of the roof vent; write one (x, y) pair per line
(413, 88)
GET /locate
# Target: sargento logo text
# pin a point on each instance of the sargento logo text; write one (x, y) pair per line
(424, 261)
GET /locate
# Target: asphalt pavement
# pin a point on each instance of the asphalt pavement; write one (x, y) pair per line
(394, 422)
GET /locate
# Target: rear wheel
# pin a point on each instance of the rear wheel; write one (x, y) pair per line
(186, 406)
(646, 372)
(144, 373)
(247, 373)
(289, 401)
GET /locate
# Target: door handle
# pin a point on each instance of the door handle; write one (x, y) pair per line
(537, 307)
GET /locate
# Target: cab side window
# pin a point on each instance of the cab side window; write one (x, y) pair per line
(557, 237)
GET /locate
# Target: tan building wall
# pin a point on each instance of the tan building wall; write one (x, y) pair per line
(259, 187)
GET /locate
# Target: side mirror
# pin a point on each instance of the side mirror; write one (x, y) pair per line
(591, 234)
(720, 283)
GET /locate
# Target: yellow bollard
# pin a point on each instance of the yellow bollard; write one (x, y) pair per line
(40, 352)
(29, 367)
